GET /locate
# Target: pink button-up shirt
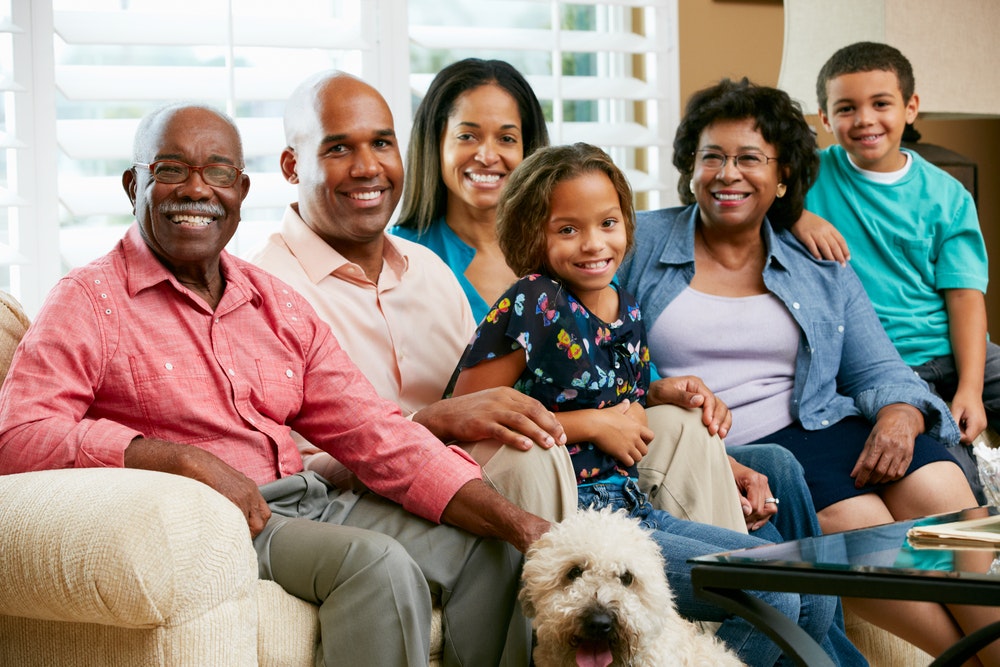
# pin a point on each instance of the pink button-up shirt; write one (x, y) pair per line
(122, 350)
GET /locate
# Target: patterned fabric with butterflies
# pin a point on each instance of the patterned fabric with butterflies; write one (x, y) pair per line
(575, 360)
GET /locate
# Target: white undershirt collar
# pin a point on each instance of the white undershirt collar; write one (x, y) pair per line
(885, 177)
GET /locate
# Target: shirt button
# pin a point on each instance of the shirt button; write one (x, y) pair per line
(840, 329)
(231, 371)
(169, 366)
(104, 296)
(107, 312)
(289, 373)
(825, 422)
(289, 304)
(795, 305)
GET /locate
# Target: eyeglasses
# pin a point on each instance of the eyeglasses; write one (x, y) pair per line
(745, 162)
(172, 171)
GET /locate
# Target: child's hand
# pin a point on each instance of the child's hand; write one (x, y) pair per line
(969, 414)
(638, 413)
(620, 435)
(821, 238)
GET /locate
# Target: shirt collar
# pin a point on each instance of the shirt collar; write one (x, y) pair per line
(319, 260)
(777, 253)
(679, 248)
(143, 269)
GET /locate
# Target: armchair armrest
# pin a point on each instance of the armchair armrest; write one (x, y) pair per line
(129, 548)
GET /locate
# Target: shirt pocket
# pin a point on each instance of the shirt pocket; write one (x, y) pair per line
(179, 399)
(280, 388)
(917, 254)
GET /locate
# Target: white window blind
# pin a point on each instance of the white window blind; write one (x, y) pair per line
(77, 77)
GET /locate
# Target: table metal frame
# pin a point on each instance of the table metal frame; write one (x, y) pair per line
(726, 583)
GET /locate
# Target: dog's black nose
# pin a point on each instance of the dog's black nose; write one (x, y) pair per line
(597, 625)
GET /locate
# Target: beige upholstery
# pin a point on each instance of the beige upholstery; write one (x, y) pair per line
(124, 567)
(109, 567)
(13, 324)
(881, 647)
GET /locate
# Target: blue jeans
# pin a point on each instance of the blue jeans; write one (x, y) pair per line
(680, 540)
(796, 519)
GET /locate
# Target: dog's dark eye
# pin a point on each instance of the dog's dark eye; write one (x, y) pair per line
(574, 572)
(626, 578)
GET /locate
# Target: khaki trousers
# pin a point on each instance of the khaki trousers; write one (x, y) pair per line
(687, 471)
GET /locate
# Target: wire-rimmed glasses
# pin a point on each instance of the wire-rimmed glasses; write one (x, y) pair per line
(747, 162)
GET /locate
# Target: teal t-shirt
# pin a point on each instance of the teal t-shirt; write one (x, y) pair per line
(908, 240)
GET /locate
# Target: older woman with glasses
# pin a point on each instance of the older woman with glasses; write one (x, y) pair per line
(792, 344)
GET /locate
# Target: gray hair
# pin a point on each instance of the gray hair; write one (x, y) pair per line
(143, 133)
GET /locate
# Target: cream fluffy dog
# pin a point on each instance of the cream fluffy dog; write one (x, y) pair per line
(595, 588)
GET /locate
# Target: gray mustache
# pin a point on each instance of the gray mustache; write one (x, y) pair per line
(204, 208)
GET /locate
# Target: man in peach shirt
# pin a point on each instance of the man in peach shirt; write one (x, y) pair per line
(392, 304)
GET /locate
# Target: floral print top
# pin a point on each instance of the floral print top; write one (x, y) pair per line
(575, 360)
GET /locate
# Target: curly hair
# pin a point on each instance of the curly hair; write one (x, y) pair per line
(780, 122)
(866, 57)
(526, 201)
(424, 193)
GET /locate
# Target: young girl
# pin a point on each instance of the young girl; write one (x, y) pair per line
(571, 338)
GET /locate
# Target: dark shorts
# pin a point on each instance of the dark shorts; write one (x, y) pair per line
(828, 457)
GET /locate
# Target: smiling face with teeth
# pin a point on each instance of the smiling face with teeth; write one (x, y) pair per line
(188, 224)
(343, 157)
(586, 238)
(481, 144)
(728, 196)
(867, 114)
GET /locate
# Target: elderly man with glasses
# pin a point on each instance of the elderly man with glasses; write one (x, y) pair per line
(170, 354)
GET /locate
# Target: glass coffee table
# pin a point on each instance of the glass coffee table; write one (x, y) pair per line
(876, 562)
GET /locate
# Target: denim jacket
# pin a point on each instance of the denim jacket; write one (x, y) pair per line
(845, 365)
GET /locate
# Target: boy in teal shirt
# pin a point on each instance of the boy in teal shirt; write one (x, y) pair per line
(913, 234)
